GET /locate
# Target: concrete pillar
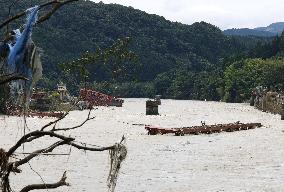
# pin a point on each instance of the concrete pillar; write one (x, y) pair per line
(152, 108)
(252, 101)
(282, 111)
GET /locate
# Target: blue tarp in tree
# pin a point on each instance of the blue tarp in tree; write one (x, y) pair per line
(16, 58)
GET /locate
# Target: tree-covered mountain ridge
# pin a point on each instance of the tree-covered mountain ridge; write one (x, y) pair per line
(160, 44)
(271, 30)
(175, 60)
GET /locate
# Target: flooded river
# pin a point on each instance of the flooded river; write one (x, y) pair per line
(241, 161)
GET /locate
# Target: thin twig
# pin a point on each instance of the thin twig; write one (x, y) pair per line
(57, 4)
(54, 122)
(78, 126)
(9, 13)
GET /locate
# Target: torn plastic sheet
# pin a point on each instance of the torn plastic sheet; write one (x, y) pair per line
(16, 58)
(17, 51)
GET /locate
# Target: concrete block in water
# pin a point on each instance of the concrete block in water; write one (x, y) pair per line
(152, 107)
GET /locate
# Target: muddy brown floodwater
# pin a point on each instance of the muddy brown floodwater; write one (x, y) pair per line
(241, 161)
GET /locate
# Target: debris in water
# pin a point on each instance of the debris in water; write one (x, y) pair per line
(204, 129)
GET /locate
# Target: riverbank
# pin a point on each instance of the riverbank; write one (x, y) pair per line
(272, 102)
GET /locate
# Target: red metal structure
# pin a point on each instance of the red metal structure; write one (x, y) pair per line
(38, 95)
(95, 98)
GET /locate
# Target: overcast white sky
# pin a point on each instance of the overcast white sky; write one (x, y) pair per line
(222, 13)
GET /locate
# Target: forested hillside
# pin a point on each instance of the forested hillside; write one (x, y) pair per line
(262, 66)
(271, 30)
(175, 60)
(249, 32)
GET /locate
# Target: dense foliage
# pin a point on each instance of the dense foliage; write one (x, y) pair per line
(248, 32)
(245, 75)
(175, 60)
(262, 66)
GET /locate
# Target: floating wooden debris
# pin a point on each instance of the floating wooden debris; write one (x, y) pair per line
(204, 129)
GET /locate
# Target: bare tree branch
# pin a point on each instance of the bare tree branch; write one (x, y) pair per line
(38, 134)
(12, 78)
(13, 166)
(68, 141)
(62, 182)
(47, 130)
(12, 19)
(94, 148)
(57, 4)
(53, 146)
(38, 152)
(54, 122)
(91, 148)
(9, 13)
(78, 126)
(57, 120)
